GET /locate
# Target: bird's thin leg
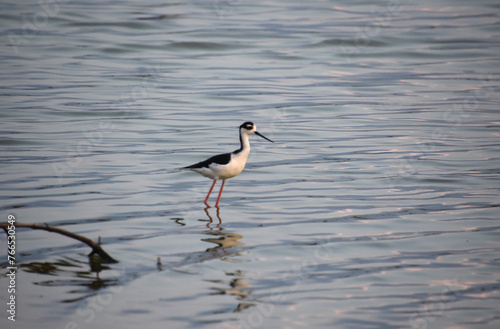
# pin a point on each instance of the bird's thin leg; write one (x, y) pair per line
(220, 193)
(209, 192)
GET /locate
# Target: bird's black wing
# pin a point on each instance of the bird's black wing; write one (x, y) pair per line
(221, 159)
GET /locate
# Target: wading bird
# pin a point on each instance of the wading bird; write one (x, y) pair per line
(227, 165)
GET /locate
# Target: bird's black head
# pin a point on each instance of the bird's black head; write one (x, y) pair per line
(247, 125)
(250, 128)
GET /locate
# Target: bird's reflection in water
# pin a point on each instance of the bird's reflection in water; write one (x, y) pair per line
(210, 219)
(238, 288)
(224, 242)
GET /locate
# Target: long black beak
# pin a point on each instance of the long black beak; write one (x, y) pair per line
(259, 134)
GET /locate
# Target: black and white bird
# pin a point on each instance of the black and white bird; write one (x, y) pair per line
(227, 165)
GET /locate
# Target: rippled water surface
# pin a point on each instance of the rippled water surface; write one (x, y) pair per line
(377, 207)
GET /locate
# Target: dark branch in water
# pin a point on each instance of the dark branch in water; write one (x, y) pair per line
(96, 248)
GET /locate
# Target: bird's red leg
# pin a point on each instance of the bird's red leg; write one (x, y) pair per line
(220, 193)
(209, 192)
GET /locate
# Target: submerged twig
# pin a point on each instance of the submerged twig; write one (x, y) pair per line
(96, 248)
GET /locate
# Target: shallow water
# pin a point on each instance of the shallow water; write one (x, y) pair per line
(377, 207)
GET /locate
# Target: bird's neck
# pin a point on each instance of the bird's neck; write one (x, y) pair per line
(244, 143)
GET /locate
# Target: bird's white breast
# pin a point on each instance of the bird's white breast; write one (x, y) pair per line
(234, 167)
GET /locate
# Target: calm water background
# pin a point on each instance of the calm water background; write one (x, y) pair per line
(377, 207)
